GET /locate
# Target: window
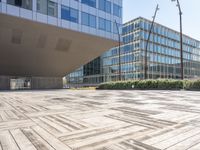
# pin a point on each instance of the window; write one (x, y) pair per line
(52, 9)
(88, 20)
(91, 3)
(27, 4)
(47, 7)
(105, 6)
(69, 14)
(104, 25)
(117, 10)
(15, 2)
(42, 6)
(115, 28)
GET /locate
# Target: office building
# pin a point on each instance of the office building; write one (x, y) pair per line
(42, 40)
(163, 54)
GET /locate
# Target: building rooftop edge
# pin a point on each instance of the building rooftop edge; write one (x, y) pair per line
(140, 17)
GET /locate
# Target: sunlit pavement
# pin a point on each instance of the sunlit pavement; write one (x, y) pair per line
(99, 120)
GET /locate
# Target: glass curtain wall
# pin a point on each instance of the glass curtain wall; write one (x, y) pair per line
(163, 53)
(26, 4)
(47, 7)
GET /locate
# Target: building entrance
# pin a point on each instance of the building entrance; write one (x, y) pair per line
(20, 83)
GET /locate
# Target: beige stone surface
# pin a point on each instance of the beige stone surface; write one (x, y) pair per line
(99, 120)
(29, 48)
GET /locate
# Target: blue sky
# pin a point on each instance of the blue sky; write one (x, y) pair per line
(168, 14)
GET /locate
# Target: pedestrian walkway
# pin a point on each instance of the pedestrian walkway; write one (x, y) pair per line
(99, 120)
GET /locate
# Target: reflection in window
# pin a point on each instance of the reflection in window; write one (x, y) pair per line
(42, 6)
(115, 26)
(104, 25)
(88, 20)
(52, 9)
(69, 14)
(47, 7)
(27, 4)
(105, 6)
(91, 3)
(117, 10)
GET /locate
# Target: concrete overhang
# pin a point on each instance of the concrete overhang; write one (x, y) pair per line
(29, 48)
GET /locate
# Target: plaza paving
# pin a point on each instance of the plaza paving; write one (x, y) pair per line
(99, 120)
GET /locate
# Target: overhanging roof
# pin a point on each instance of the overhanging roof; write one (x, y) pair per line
(29, 48)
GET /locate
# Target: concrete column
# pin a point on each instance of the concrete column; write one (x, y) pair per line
(46, 83)
(4, 83)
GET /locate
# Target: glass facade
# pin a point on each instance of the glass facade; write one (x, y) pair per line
(163, 54)
(89, 74)
(19, 83)
(88, 20)
(26, 4)
(69, 14)
(47, 7)
(52, 8)
(105, 6)
(117, 10)
(91, 3)
(42, 6)
(96, 17)
(104, 24)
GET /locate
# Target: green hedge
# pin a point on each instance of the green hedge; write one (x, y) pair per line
(167, 84)
(192, 85)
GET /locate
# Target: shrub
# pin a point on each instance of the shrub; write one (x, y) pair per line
(161, 84)
(192, 84)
